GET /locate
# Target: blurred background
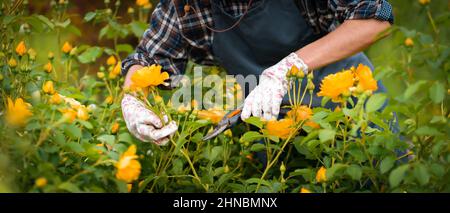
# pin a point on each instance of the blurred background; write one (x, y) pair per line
(411, 16)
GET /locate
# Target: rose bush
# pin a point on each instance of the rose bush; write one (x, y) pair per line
(61, 127)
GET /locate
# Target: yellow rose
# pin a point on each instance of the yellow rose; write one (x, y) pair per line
(55, 99)
(409, 42)
(128, 167)
(282, 128)
(48, 87)
(41, 182)
(48, 67)
(111, 61)
(321, 175)
(67, 47)
(148, 77)
(115, 128)
(82, 113)
(21, 49)
(18, 112)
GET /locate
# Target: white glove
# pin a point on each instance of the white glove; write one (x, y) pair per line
(145, 124)
(265, 100)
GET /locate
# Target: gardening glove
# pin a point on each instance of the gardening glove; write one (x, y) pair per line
(145, 124)
(265, 100)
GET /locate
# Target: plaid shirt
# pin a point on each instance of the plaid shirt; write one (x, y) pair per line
(174, 37)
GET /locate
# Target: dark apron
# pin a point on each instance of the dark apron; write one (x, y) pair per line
(271, 30)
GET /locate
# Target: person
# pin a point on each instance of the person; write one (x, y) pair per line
(259, 37)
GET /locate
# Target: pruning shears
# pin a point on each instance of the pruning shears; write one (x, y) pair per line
(230, 119)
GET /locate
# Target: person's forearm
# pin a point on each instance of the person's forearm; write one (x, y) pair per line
(351, 37)
(130, 72)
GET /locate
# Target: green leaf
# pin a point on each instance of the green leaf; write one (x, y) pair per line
(438, 119)
(251, 136)
(375, 102)
(89, 16)
(349, 112)
(109, 139)
(257, 147)
(386, 164)
(90, 55)
(397, 175)
(354, 171)
(126, 137)
(63, 24)
(138, 28)
(86, 124)
(46, 21)
(124, 48)
(421, 174)
(426, 130)
(307, 174)
(70, 187)
(335, 170)
(59, 138)
(425, 39)
(257, 181)
(103, 32)
(438, 170)
(74, 30)
(324, 101)
(72, 131)
(75, 147)
(412, 89)
(215, 152)
(33, 125)
(255, 121)
(326, 135)
(437, 92)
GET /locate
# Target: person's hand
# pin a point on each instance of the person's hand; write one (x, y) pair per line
(145, 124)
(265, 100)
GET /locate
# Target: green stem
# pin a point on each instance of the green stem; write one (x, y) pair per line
(435, 29)
(277, 156)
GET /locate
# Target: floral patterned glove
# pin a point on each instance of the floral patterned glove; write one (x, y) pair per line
(265, 100)
(145, 124)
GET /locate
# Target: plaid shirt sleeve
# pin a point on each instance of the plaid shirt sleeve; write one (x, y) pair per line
(162, 43)
(362, 9)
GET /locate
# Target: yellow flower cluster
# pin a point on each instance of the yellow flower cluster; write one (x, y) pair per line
(144, 3)
(148, 77)
(321, 175)
(424, 2)
(340, 85)
(302, 113)
(295, 72)
(114, 68)
(280, 128)
(409, 42)
(67, 47)
(48, 88)
(21, 49)
(128, 167)
(213, 115)
(18, 112)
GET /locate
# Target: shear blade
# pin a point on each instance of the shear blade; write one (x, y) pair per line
(215, 132)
